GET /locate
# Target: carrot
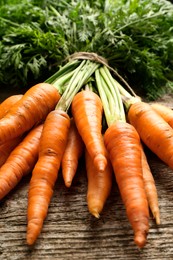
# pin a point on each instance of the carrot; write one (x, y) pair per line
(52, 146)
(8, 103)
(123, 145)
(150, 188)
(31, 109)
(153, 130)
(45, 173)
(20, 162)
(165, 112)
(7, 148)
(87, 112)
(99, 185)
(72, 153)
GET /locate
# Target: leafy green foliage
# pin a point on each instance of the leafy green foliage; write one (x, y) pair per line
(136, 36)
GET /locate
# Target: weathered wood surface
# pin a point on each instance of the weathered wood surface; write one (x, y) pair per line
(70, 232)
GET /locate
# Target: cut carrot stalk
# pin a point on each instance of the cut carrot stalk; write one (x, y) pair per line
(99, 185)
(8, 103)
(72, 154)
(87, 112)
(150, 188)
(52, 146)
(20, 162)
(123, 145)
(31, 109)
(165, 112)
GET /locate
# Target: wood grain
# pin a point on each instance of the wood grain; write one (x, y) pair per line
(70, 232)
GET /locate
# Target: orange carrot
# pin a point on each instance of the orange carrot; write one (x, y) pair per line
(124, 148)
(99, 185)
(87, 112)
(31, 109)
(52, 146)
(8, 103)
(72, 153)
(165, 112)
(150, 188)
(153, 130)
(123, 144)
(7, 148)
(20, 162)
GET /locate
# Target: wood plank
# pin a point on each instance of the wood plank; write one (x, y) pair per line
(70, 232)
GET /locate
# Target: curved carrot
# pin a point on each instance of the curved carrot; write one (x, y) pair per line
(72, 153)
(52, 146)
(87, 112)
(31, 109)
(123, 144)
(20, 162)
(165, 112)
(150, 188)
(8, 103)
(99, 185)
(153, 130)
(7, 148)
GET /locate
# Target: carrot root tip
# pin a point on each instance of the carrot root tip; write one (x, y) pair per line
(140, 239)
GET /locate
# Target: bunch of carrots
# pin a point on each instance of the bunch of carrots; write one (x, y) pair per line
(54, 123)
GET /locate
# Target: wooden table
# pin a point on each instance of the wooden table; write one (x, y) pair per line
(70, 232)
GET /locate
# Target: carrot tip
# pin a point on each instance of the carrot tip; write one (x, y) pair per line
(95, 214)
(140, 240)
(68, 184)
(157, 217)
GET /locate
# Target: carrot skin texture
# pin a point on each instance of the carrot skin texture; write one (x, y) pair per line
(150, 188)
(73, 152)
(7, 148)
(52, 145)
(20, 162)
(123, 145)
(8, 103)
(99, 185)
(87, 113)
(154, 131)
(165, 112)
(30, 110)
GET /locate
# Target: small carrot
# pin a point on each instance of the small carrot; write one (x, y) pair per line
(123, 145)
(150, 187)
(72, 153)
(99, 185)
(7, 148)
(154, 131)
(8, 103)
(165, 112)
(45, 173)
(20, 162)
(31, 109)
(87, 112)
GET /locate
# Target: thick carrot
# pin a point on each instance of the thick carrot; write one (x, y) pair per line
(165, 112)
(99, 185)
(72, 153)
(52, 146)
(150, 188)
(8, 103)
(20, 162)
(123, 144)
(154, 131)
(87, 112)
(31, 109)
(7, 148)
